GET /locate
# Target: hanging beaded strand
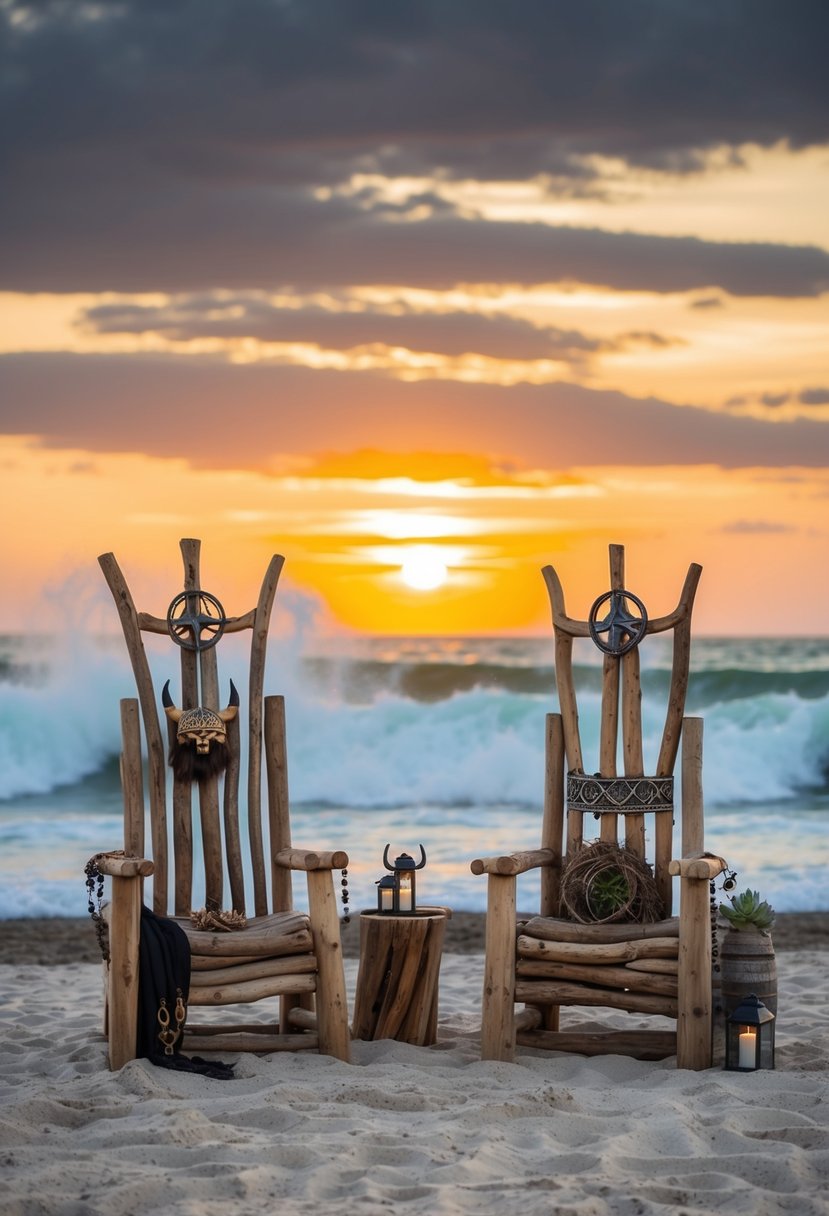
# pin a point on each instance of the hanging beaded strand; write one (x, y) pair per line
(346, 916)
(94, 899)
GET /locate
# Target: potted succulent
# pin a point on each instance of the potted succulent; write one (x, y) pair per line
(747, 953)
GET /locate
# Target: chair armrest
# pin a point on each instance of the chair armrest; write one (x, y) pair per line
(306, 859)
(513, 863)
(116, 865)
(704, 865)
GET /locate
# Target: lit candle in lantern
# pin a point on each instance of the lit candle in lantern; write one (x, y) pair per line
(405, 893)
(749, 1036)
(748, 1050)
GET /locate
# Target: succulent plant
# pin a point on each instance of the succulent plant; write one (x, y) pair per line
(748, 911)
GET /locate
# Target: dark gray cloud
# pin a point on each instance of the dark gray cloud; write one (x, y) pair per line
(215, 414)
(646, 78)
(814, 396)
(497, 336)
(181, 144)
(127, 238)
(773, 401)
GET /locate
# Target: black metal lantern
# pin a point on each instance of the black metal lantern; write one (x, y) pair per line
(749, 1036)
(403, 878)
(387, 893)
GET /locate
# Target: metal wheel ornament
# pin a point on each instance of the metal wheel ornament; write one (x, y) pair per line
(624, 629)
(196, 620)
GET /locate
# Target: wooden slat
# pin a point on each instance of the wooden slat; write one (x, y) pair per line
(203, 691)
(597, 953)
(542, 992)
(657, 966)
(609, 726)
(552, 824)
(550, 929)
(231, 1041)
(279, 813)
(294, 964)
(256, 683)
(182, 841)
(132, 778)
(639, 1044)
(602, 976)
(233, 843)
(287, 933)
(252, 990)
(693, 828)
(157, 785)
(679, 673)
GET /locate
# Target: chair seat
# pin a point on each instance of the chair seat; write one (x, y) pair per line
(271, 956)
(279, 935)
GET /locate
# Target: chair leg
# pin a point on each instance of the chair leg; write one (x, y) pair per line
(498, 1021)
(122, 1003)
(694, 1022)
(332, 1002)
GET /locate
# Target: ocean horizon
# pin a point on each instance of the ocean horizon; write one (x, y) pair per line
(421, 741)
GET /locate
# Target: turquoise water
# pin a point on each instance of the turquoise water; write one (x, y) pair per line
(423, 741)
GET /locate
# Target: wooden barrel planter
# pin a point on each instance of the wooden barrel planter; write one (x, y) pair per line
(747, 965)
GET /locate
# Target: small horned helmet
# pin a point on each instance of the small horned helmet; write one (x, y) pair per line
(200, 747)
(201, 725)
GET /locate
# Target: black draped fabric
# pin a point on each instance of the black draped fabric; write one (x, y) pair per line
(163, 993)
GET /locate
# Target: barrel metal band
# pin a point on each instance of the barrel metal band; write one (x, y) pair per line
(619, 795)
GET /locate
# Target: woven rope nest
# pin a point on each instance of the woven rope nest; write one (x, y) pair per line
(604, 882)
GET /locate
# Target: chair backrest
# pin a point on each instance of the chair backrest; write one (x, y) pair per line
(194, 624)
(611, 798)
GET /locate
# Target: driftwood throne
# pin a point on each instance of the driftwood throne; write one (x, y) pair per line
(661, 967)
(280, 952)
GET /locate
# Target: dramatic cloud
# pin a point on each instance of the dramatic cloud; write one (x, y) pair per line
(198, 242)
(448, 333)
(222, 416)
(186, 145)
(644, 79)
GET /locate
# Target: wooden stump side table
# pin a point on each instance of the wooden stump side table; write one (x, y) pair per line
(397, 978)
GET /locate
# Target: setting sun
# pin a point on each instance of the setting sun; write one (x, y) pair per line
(424, 569)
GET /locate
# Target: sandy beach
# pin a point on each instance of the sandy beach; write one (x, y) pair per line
(405, 1129)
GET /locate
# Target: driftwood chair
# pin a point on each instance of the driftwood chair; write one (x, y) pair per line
(663, 967)
(280, 951)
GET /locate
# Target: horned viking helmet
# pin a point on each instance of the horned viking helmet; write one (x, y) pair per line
(200, 725)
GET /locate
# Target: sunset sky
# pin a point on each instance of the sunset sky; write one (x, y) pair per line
(422, 295)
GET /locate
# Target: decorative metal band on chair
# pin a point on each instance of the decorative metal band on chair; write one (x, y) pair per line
(619, 795)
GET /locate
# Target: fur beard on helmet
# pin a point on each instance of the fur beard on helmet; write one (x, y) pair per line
(189, 765)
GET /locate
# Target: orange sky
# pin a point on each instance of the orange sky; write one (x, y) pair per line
(492, 289)
(346, 531)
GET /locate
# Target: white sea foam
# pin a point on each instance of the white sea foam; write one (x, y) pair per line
(410, 742)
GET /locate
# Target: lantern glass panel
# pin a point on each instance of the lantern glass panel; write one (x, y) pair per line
(406, 890)
(749, 1039)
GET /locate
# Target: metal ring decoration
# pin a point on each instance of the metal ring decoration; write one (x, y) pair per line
(624, 629)
(196, 620)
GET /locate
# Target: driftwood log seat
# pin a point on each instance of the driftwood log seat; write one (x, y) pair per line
(662, 966)
(280, 952)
